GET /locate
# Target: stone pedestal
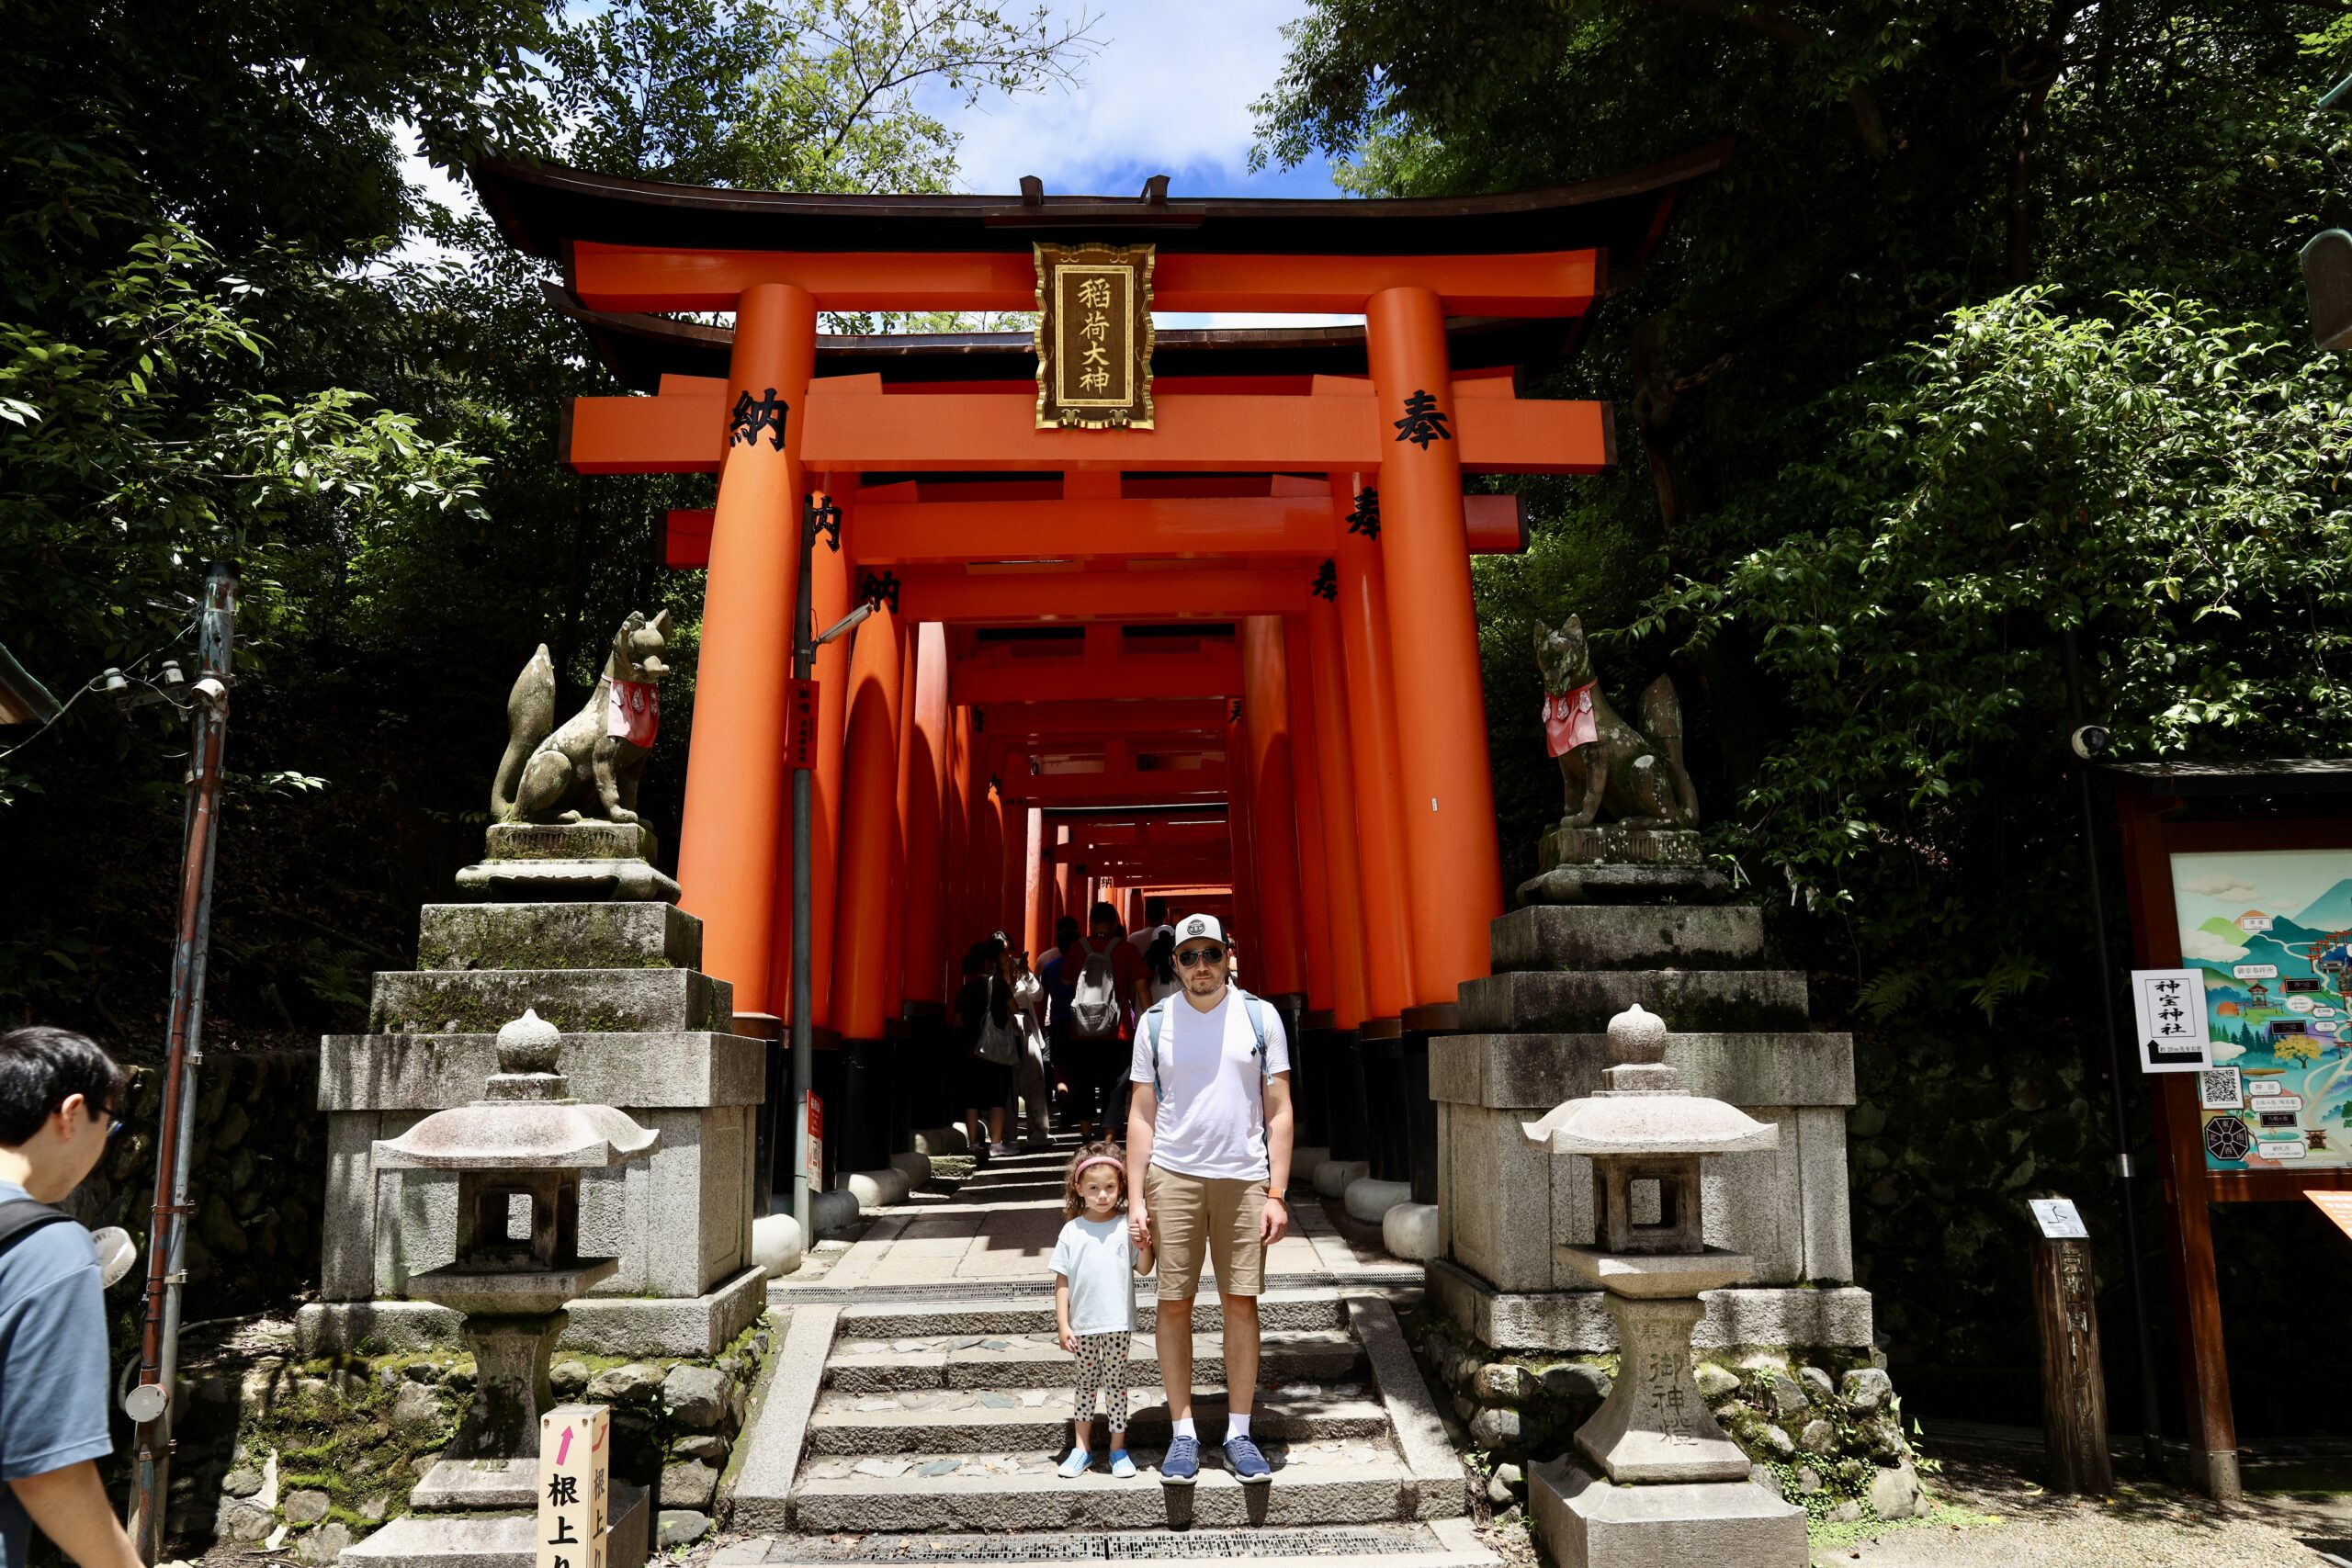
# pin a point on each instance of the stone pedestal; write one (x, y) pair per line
(1587, 1523)
(1611, 843)
(642, 1029)
(536, 863)
(1534, 1037)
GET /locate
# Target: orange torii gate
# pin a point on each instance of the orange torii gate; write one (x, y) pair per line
(1261, 603)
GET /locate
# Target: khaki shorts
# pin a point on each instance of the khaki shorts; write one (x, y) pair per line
(1187, 1211)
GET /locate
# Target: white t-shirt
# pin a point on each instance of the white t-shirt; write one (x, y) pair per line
(1092, 1256)
(1211, 1122)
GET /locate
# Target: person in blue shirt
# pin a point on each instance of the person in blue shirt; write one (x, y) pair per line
(59, 1098)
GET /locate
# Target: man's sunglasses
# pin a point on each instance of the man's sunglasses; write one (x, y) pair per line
(1193, 957)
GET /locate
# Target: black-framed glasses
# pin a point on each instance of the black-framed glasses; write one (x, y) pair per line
(1193, 957)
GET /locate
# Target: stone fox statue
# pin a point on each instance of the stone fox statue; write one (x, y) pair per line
(1635, 775)
(593, 761)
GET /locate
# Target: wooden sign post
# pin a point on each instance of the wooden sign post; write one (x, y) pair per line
(2073, 1386)
(576, 1485)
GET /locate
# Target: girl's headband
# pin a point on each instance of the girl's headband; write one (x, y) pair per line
(1092, 1160)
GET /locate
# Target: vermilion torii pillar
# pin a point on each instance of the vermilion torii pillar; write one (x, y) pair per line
(864, 941)
(1306, 780)
(930, 806)
(1372, 733)
(1335, 761)
(1280, 966)
(733, 823)
(1452, 866)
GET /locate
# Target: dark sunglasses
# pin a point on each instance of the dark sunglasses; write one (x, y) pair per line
(1192, 957)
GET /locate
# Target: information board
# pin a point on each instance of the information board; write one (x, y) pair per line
(2269, 933)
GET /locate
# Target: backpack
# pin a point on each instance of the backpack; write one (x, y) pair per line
(1000, 1043)
(19, 1217)
(1094, 1001)
(1153, 1027)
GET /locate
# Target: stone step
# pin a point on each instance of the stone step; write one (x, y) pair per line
(1691, 1000)
(447, 1001)
(1441, 1543)
(603, 935)
(1044, 1189)
(1570, 936)
(1035, 1315)
(1031, 1361)
(1327, 1488)
(846, 1423)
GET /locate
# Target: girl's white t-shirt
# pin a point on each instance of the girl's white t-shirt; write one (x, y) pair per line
(1094, 1255)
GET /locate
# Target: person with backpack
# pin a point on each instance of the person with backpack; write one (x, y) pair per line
(1101, 971)
(59, 1099)
(1208, 1157)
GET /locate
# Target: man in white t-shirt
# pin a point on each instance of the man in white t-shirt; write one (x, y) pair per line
(1209, 1125)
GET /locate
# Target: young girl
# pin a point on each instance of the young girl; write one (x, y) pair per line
(1094, 1299)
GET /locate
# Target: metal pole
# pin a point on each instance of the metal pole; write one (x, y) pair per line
(148, 1403)
(804, 665)
(2123, 1062)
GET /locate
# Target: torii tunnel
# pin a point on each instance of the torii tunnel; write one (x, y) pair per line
(1231, 660)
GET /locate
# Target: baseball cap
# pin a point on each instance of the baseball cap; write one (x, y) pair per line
(1193, 926)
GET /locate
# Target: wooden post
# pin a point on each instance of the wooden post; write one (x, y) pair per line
(2074, 1383)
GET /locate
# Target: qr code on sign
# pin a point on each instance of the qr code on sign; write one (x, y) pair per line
(2221, 1088)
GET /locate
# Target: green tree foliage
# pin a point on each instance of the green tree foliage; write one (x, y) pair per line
(227, 326)
(1990, 330)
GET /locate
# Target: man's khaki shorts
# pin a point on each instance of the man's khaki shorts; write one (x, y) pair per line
(1187, 1211)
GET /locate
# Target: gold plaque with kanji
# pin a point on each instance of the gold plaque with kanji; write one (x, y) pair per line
(1094, 337)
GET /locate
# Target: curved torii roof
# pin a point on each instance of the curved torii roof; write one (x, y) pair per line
(543, 209)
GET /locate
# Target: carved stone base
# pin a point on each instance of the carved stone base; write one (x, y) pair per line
(1625, 884)
(1653, 1427)
(1587, 1523)
(1612, 843)
(557, 863)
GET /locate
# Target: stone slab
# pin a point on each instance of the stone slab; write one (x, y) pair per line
(1587, 1523)
(1434, 1469)
(1625, 884)
(1583, 1001)
(1532, 1073)
(569, 840)
(432, 1072)
(1628, 936)
(608, 1326)
(477, 1485)
(1576, 1323)
(532, 881)
(1612, 843)
(1300, 1494)
(1046, 1429)
(558, 936)
(758, 1493)
(577, 1001)
(497, 1541)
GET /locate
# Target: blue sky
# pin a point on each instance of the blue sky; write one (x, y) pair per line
(1168, 93)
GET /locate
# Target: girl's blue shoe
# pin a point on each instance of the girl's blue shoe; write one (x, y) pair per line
(1121, 1465)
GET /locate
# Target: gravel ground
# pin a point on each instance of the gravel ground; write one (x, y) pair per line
(1999, 1518)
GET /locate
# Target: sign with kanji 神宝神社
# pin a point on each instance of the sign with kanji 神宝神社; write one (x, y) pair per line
(2169, 1007)
(576, 1485)
(1094, 337)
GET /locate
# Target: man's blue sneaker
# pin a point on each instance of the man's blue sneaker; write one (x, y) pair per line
(1180, 1465)
(1249, 1466)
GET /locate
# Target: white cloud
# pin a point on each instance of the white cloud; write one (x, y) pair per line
(2205, 945)
(1168, 93)
(2229, 889)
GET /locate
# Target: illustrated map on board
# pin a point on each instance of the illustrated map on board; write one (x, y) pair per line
(2271, 929)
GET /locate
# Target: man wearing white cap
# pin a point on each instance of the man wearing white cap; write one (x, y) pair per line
(1208, 1128)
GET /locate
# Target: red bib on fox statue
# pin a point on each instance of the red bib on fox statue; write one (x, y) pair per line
(633, 712)
(1567, 721)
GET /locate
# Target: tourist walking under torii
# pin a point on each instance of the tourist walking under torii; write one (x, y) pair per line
(1209, 1125)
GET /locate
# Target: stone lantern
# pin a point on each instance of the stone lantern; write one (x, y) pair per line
(1669, 1485)
(518, 1153)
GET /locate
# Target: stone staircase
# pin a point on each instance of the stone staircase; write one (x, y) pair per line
(924, 1424)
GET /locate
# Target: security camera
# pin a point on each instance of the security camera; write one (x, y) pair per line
(2089, 741)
